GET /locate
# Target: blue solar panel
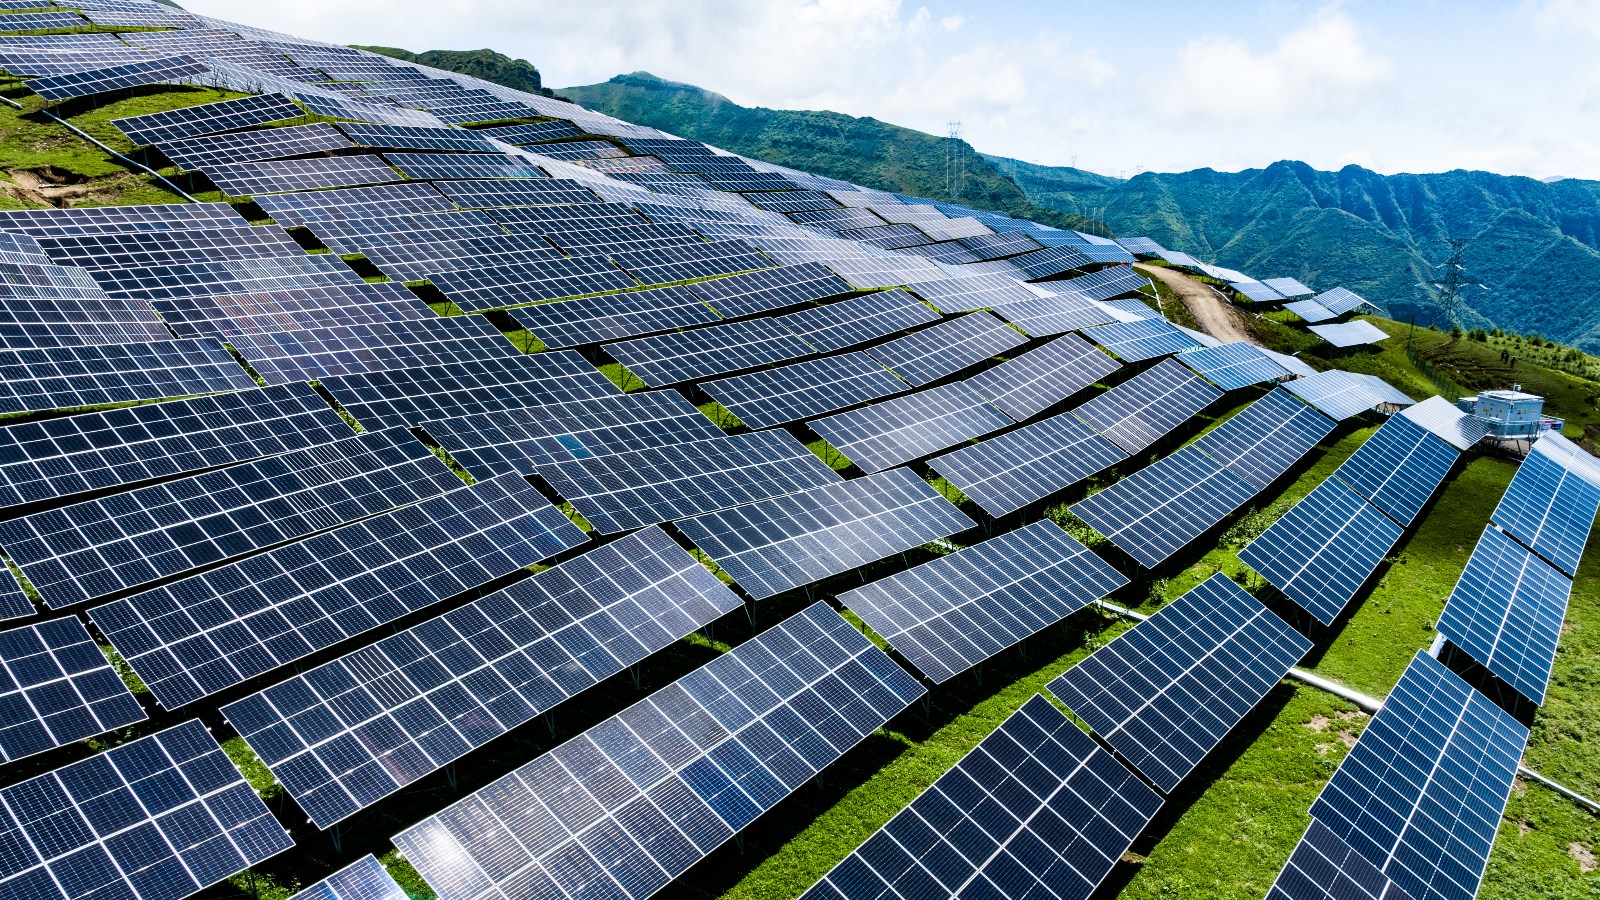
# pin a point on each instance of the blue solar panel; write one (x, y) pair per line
(1233, 366)
(364, 879)
(1031, 383)
(1325, 868)
(926, 356)
(1154, 512)
(591, 320)
(1005, 473)
(1550, 508)
(1506, 612)
(1261, 441)
(1420, 795)
(1148, 406)
(1144, 339)
(1166, 693)
(906, 428)
(697, 353)
(804, 389)
(1398, 468)
(56, 687)
(858, 320)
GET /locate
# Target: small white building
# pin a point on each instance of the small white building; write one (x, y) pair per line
(1511, 415)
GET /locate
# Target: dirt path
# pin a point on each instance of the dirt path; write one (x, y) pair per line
(1216, 316)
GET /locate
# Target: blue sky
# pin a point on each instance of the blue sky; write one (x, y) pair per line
(1397, 86)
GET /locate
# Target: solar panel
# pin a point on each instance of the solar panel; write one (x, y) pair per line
(227, 276)
(1340, 301)
(418, 256)
(1029, 384)
(804, 389)
(1256, 292)
(1506, 612)
(166, 70)
(1349, 334)
(266, 312)
(130, 249)
(521, 192)
(623, 491)
(907, 428)
(1288, 287)
(998, 246)
(1005, 473)
(1051, 261)
(1451, 425)
(793, 201)
(407, 202)
(419, 700)
(1147, 407)
(413, 396)
(591, 320)
(1266, 438)
(531, 134)
(1233, 366)
(364, 879)
(630, 804)
(574, 217)
(701, 352)
(208, 632)
(1550, 508)
(312, 353)
(1056, 314)
(1338, 394)
(773, 545)
(512, 284)
(1311, 310)
(410, 137)
(1037, 809)
(887, 237)
(621, 239)
(1144, 339)
(14, 602)
(1165, 693)
(1421, 793)
(247, 179)
(67, 377)
(974, 292)
(20, 62)
(193, 154)
(160, 817)
(91, 219)
(952, 613)
(858, 320)
(56, 687)
(1322, 551)
(99, 547)
(493, 443)
(37, 323)
(61, 457)
(580, 150)
(1326, 868)
(443, 166)
(686, 262)
(1105, 284)
(878, 272)
(1156, 511)
(208, 118)
(764, 291)
(933, 353)
(1398, 468)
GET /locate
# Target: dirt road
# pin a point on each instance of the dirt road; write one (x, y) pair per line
(1216, 316)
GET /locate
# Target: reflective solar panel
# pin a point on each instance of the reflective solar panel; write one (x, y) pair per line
(313, 209)
(621, 239)
(96, 219)
(61, 457)
(1144, 339)
(1341, 394)
(623, 491)
(1005, 473)
(1324, 549)
(309, 354)
(1340, 301)
(571, 217)
(266, 312)
(933, 353)
(630, 804)
(211, 631)
(1036, 809)
(493, 443)
(1109, 282)
(975, 292)
(405, 137)
(415, 702)
(513, 284)
(160, 817)
(804, 389)
(1288, 287)
(701, 352)
(997, 246)
(56, 687)
(687, 262)
(1165, 693)
(591, 320)
(1325, 868)
(67, 377)
(1311, 310)
(1051, 261)
(1262, 441)
(1148, 406)
(420, 255)
(1056, 314)
(1349, 334)
(432, 166)
(764, 291)
(129, 249)
(531, 133)
(226, 276)
(1421, 793)
(364, 879)
(1550, 508)
(208, 118)
(99, 547)
(1233, 366)
(55, 88)
(773, 545)
(1449, 424)
(906, 428)
(846, 323)
(1029, 384)
(952, 613)
(1256, 292)
(413, 396)
(877, 272)
(193, 154)
(1398, 468)
(14, 603)
(1506, 612)
(520, 192)
(246, 179)
(1156, 511)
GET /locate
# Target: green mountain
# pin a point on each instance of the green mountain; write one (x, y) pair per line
(864, 151)
(486, 64)
(1535, 245)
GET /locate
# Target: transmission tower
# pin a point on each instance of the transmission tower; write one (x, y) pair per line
(955, 163)
(1450, 279)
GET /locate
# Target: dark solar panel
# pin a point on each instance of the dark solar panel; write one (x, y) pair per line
(442, 166)
(1263, 440)
(846, 323)
(1106, 283)
(944, 349)
(208, 118)
(409, 137)
(764, 291)
(1154, 512)
(413, 396)
(773, 545)
(573, 217)
(513, 284)
(1166, 693)
(160, 817)
(1044, 316)
(1325, 868)
(623, 491)
(632, 803)
(591, 320)
(998, 246)
(974, 292)
(950, 614)
(1005, 473)
(1420, 795)
(14, 602)
(229, 276)
(1398, 468)
(97, 219)
(1144, 339)
(1051, 261)
(312, 353)
(532, 133)
(247, 179)
(621, 239)
(1147, 407)
(702, 352)
(520, 192)
(1550, 508)
(1506, 612)
(130, 249)
(364, 879)
(54, 88)
(104, 546)
(1031, 383)
(804, 389)
(193, 154)
(211, 631)
(67, 377)
(907, 428)
(56, 687)
(265, 312)
(687, 262)
(1233, 366)
(377, 202)
(490, 666)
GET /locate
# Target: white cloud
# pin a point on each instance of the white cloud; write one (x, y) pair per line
(952, 23)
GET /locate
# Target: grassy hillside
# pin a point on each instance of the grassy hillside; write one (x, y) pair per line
(518, 74)
(1536, 245)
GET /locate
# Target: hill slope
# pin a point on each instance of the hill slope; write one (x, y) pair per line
(1536, 245)
(499, 68)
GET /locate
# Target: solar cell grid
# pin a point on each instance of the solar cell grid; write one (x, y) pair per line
(702, 352)
(793, 201)
(1166, 692)
(129, 249)
(1261, 441)
(632, 803)
(1322, 550)
(406, 137)
(1005, 473)
(99, 547)
(313, 353)
(998, 246)
(512, 284)
(225, 276)
(264, 312)
(66, 377)
(1549, 508)
(1143, 409)
(1056, 314)
(836, 219)
(798, 391)
(415, 702)
(944, 349)
(622, 491)
(948, 252)
(1029, 384)
(687, 262)
(1421, 793)
(1449, 424)
(1340, 301)
(1155, 512)
(1144, 339)
(14, 603)
(1037, 809)
(443, 166)
(591, 320)
(952, 613)
(207, 118)
(1311, 310)
(404, 201)
(764, 291)
(56, 687)
(1051, 261)
(29, 323)
(193, 154)
(571, 217)
(517, 192)
(87, 219)
(601, 241)
(877, 272)
(1256, 292)
(846, 323)
(208, 632)
(1340, 394)
(1506, 612)
(160, 817)
(906, 428)
(1233, 366)
(1349, 334)
(1398, 468)
(22, 62)
(579, 150)
(413, 396)
(364, 879)
(531, 133)
(1325, 868)
(55, 88)
(974, 292)
(247, 179)
(1106, 283)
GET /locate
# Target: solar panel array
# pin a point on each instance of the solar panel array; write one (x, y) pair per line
(1029, 384)
(364, 879)
(56, 687)
(702, 352)
(208, 118)
(801, 390)
(412, 396)
(166, 70)
(309, 354)
(66, 377)
(1005, 473)
(903, 429)
(1551, 503)
(934, 353)
(1325, 868)
(758, 292)
(1233, 366)
(858, 320)
(1140, 411)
